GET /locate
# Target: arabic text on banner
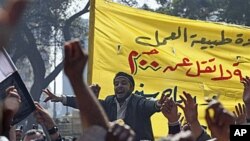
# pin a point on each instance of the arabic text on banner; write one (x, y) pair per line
(167, 54)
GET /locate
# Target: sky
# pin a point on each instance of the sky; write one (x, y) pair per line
(151, 3)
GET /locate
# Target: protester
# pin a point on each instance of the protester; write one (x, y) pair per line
(11, 105)
(93, 117)
(43, 118)
(190, 110)
(133, 109)
(19, 133)
(246, 96)
(34, 135)
(240, 114)
(181, 136)
(126, 110)
(219, 122)
(170, 111)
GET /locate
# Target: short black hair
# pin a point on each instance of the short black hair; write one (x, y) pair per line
(130, 78)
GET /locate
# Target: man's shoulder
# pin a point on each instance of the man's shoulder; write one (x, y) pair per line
(140, 98)
(110, 97)
(137, 96)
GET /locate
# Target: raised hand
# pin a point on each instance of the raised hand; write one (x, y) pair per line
(42, 116)
(190, 108)
(170, 111)
(246, 92)
(75, 59)
(11, 105)
(240, 114)
(9, 18)
(161, 100)
(11, 14)
(120, 132)
(12, 100)
(221, 120)
(96, 89)
(52, 96)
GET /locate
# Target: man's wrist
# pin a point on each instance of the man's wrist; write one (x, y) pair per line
(194, 122)
(158, 105)
(172, 120)
(64, 99)
(173, 123)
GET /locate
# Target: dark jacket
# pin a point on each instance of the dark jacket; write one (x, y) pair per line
(137, 115)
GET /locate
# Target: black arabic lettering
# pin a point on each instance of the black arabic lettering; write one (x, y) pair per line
(143, 40)
(223, 39)
(141, 93)
(239, 40)
(211, 43)
(246, 44)
(168, 92)
(185, 34)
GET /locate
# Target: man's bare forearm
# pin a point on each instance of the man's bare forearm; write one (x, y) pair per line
(90, 110)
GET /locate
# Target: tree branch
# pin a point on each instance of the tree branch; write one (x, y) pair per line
(37, 63)
(66, 28)
(52, 75)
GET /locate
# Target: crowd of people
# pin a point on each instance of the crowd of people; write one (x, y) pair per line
(123, 116)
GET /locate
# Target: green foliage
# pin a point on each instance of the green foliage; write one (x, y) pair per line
(237, 12)
(44, 27)
(230, 11)
(131, 3)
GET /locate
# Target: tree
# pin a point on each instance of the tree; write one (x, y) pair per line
(236, 12)
(131, 3)
(230, 11)
(45, 26)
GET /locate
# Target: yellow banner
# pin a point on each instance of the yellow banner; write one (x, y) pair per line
(167, 54)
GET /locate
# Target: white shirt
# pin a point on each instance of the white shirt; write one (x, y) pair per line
(121, 109)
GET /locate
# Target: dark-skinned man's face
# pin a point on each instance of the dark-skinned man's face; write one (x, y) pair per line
(122, 87)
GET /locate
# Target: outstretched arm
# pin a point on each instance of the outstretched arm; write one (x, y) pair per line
(170, 111)
(11, 105)
(42, 116)
(69, 100)
(190, 110)
(52, 97)
(74, 63)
